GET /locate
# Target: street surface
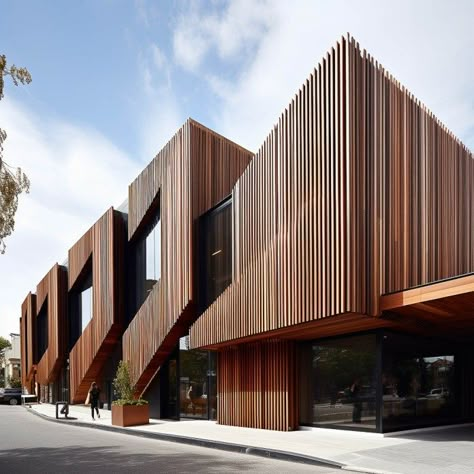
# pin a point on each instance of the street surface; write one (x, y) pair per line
(29, 444)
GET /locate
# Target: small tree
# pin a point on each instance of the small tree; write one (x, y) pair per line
(124, 388)
(4, 344)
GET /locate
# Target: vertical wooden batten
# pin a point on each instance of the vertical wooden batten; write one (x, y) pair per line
(194, 171)
(28, 341)
(53, 288)
(358, 191)
(104, 243)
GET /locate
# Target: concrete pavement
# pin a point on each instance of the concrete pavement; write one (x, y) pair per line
(440, 451)
(29, 444)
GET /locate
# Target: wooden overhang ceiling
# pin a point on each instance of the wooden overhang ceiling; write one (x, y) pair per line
(442, 308)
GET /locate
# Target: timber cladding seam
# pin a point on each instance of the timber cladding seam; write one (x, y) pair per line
(357, 191)
(194, 171)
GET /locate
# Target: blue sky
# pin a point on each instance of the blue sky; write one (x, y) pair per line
(114, 79)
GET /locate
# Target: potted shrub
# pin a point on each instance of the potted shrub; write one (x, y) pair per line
(126, 410)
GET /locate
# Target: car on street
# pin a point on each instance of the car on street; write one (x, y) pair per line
(10, 395)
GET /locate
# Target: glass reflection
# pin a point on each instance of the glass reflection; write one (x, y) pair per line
(86, 307)
(193, 380)
(341, 390)
(417, 384)
(216, 253)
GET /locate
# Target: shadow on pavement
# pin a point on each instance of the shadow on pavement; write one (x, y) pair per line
(448, 434)
(111, 459)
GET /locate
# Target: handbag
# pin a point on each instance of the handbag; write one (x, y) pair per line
(88, 399)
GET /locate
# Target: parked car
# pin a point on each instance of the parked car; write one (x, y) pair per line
(10, 395)
(438, 393)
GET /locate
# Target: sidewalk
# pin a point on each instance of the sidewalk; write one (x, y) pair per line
(441, 451)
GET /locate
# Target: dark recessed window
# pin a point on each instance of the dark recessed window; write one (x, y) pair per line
(216, 253)
(147, 257)
(42, 330)
(81, 306)
(153, 253)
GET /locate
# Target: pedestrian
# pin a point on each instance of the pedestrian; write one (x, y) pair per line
(93, 398)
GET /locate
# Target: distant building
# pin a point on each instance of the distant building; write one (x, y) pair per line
(12, 360)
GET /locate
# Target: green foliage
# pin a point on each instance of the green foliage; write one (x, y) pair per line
(13, 181)
(14, 382)
(4, 344)
(138, 402)
(124, 387)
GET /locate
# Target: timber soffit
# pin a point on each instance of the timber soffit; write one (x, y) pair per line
(350, 196)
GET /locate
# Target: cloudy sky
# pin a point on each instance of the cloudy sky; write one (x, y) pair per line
(113, 80)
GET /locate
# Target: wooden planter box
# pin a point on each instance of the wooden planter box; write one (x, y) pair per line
(130, 415)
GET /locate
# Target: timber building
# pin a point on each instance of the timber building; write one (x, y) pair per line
(327, 280)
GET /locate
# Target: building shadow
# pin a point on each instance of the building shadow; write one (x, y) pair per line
(75, 459)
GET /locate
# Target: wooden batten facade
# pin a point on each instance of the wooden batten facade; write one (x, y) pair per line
(191, 174)
(52, 292)
(357, 191)
(101, 249)
(356, 215)
(257, 386)
(28, 341)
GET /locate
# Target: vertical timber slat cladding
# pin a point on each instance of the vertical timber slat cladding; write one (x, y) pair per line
(257, 386)
(194, 171)
(53, 288)
(104, 243)
(358, 191)
(28, 340)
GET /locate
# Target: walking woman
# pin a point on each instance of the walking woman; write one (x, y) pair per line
(93, 398)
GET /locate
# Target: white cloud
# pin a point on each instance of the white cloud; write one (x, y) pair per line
(427, 45)
(76, 175)
(229, 32)
(160, 115)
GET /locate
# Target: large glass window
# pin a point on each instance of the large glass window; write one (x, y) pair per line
(418, 382)
(153, 254)
(339, 383)
(42, 330)
(216, 253)
(86, 307)
(197, 376)
(146, 261)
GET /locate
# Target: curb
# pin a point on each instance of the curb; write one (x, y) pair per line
(221, 445)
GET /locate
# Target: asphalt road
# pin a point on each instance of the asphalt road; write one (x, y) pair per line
(29, 444)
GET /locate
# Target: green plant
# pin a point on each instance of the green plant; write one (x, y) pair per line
(124, 387)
